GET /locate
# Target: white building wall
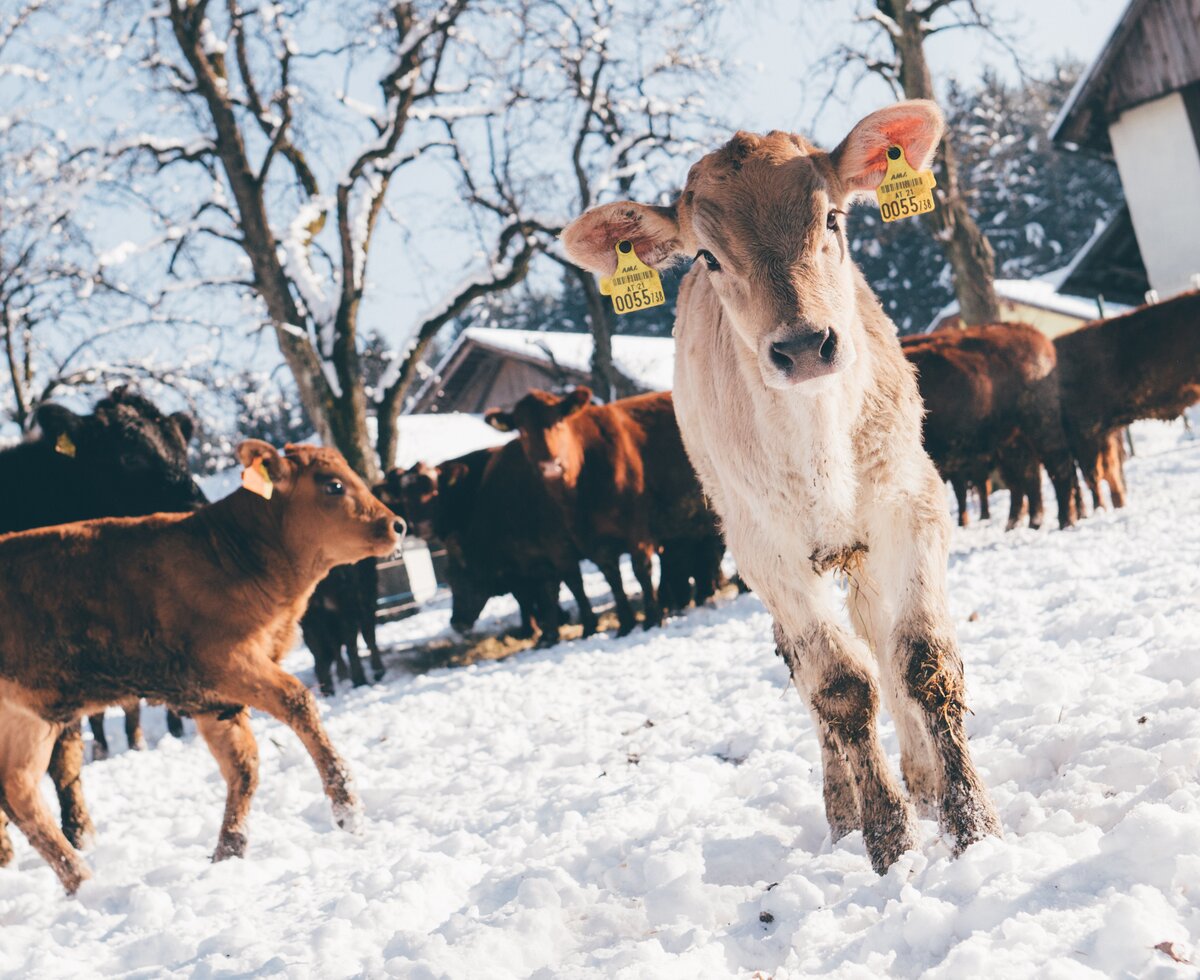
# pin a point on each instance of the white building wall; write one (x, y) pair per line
(1159, 163)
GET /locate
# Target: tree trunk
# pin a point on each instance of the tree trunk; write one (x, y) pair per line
(608, 382)
(967, 248)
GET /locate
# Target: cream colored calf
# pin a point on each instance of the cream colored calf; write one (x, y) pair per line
(803, 419)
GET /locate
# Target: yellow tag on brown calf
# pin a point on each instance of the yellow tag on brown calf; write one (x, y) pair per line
(64, 445)
(256, 480)
(904, 192)
(634, 286)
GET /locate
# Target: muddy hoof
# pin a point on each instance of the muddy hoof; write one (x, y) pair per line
(6, 850)
(99, 752)
(625, 629)
(968, 818)
(379, 674)
(547, 640)
(589, 628)
(891, 837)
(231, 845)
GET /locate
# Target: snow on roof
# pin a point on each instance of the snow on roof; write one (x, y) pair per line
(1043, 294)
(436, 437)
(647, 361)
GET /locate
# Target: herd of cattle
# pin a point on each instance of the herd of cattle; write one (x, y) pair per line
(581, 481)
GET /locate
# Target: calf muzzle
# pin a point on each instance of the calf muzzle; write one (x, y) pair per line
(794, 355)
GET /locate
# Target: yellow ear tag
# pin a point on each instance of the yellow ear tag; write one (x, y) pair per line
(634, 286)
(64, 445)
(904, 192)
(256, 480)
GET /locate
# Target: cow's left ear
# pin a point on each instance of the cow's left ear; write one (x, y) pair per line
(55, 420)
(501, 421)
(187, 427)
(915, 126)
(255, 451)
(581, 397)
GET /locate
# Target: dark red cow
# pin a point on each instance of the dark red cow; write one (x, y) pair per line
(984, 385)
(501, 533)
(1144, 364)
(619, 476)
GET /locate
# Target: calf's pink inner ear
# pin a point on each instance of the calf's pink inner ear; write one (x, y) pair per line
(591, 240)
(861, 159)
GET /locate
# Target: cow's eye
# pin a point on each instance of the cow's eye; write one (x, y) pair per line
(710, 260)
(831, 221)
(335, 488)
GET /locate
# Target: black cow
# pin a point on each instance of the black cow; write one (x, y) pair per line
(125, 459)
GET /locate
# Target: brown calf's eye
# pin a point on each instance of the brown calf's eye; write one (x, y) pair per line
(710, 260)
(831, 221)
(335, 488)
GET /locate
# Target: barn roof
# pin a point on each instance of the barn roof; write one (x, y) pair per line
(1041, 293)
(648, 362)
(1154, 49)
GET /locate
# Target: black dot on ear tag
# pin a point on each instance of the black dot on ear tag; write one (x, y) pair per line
(893, 153)
(625, 247)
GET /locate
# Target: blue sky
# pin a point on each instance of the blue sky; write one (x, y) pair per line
(780, 38)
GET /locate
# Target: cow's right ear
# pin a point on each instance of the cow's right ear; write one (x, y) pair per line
(502, 421)
(591, 240)
(581, 397)
(255, 450)
(55, 421)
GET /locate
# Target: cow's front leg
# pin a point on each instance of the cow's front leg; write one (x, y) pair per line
(907, 560)
(833, 677)
(264, 685)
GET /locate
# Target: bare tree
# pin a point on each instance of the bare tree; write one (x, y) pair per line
(68, 319)
(250, 86)
(891, 46)
(627, 90)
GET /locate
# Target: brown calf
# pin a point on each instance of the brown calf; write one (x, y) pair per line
(620, 477)
(195, 610)
(803, 420)
(981, 387)
(1144, 364)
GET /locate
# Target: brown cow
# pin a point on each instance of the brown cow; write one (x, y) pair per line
(501, 533)
(620, 477)
(803, 419)
(982, 386)
(195, 610)
(1144, 364)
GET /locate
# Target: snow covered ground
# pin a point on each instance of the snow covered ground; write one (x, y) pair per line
(651, 807)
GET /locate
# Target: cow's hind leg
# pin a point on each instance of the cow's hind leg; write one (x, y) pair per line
(232, 744)
(26, 744)
(839, 688)
(99, 738)
(66, 772)
(611, 569)
(643, 570)
(574, 579)
(133, 726)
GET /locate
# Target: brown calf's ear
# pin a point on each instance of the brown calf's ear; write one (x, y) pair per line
(591, 240)
(255, 450)
(581, 397)
(915, 126)
(502, 421)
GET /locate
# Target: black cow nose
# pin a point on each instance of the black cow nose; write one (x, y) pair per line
(786, 354)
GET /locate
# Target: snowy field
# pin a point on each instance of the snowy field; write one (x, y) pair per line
(651, 807)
